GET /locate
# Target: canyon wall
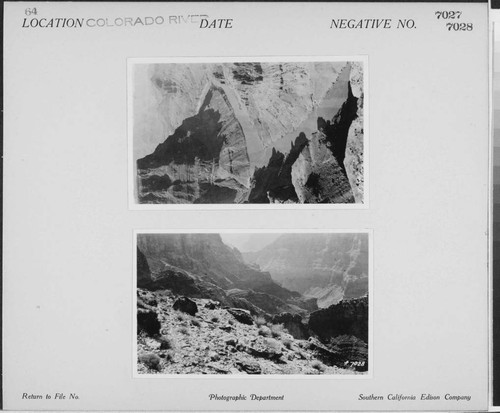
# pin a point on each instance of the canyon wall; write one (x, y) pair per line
(253, 133)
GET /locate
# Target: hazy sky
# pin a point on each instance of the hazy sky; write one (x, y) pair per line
(249, 242)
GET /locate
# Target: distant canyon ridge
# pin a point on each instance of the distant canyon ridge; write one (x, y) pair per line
(251, 132)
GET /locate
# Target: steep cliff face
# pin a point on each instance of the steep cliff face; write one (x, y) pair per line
(204, 160)
(143, 271)
(202, 266)
(354, 151)
(318, 177)
(255, 132)
(349, 317)
(273, 183)
(328, 267)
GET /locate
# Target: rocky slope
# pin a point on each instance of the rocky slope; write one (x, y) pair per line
(256, 133)
(328, 267)
(201, 337)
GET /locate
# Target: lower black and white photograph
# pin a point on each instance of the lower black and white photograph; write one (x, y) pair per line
(239, 303)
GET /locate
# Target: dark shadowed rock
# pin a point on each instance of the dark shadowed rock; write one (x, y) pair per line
(231, 341)
(354, 350)
(178, 281)
(197, 138)
(349, 317)
(325, 354)
(343, 351)
(337, 130)
(274, 181)
(143, 271)
(268, 353)
(249, 367)
(147, 321)
(293, 323)
(185, 305)
(243, 316)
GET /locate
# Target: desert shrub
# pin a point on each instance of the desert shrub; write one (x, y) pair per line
(260, 321)
(287, 343)
(273, 345)
(169, 356)
(277, 330)
(195, 322)
(214, 319)
(166, 343)
(181, 317)
(150, 360)
(264, 331)
(318, 365)
(184, 330)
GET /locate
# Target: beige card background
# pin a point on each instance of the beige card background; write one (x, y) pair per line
(68, 230)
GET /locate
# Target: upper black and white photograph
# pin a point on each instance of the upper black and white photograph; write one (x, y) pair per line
(250, 132)
(252, 303)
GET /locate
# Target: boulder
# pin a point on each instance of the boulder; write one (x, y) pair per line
(249, 367)
(270, 349)
(265, 353)
(243, 316)
(231, 341)
(293, 323)
(147, 321)
(143, 271)
(185, 305)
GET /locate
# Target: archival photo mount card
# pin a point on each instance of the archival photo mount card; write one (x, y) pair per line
(235, 206)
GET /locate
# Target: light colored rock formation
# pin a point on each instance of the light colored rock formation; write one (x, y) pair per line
(354, 153)
(233, 157)
(271, 100)
(260, 108)
(328, 267)
(277, 106)
(317, 176)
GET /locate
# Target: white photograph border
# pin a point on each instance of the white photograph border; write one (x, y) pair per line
(367, 375)
(134, 205)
